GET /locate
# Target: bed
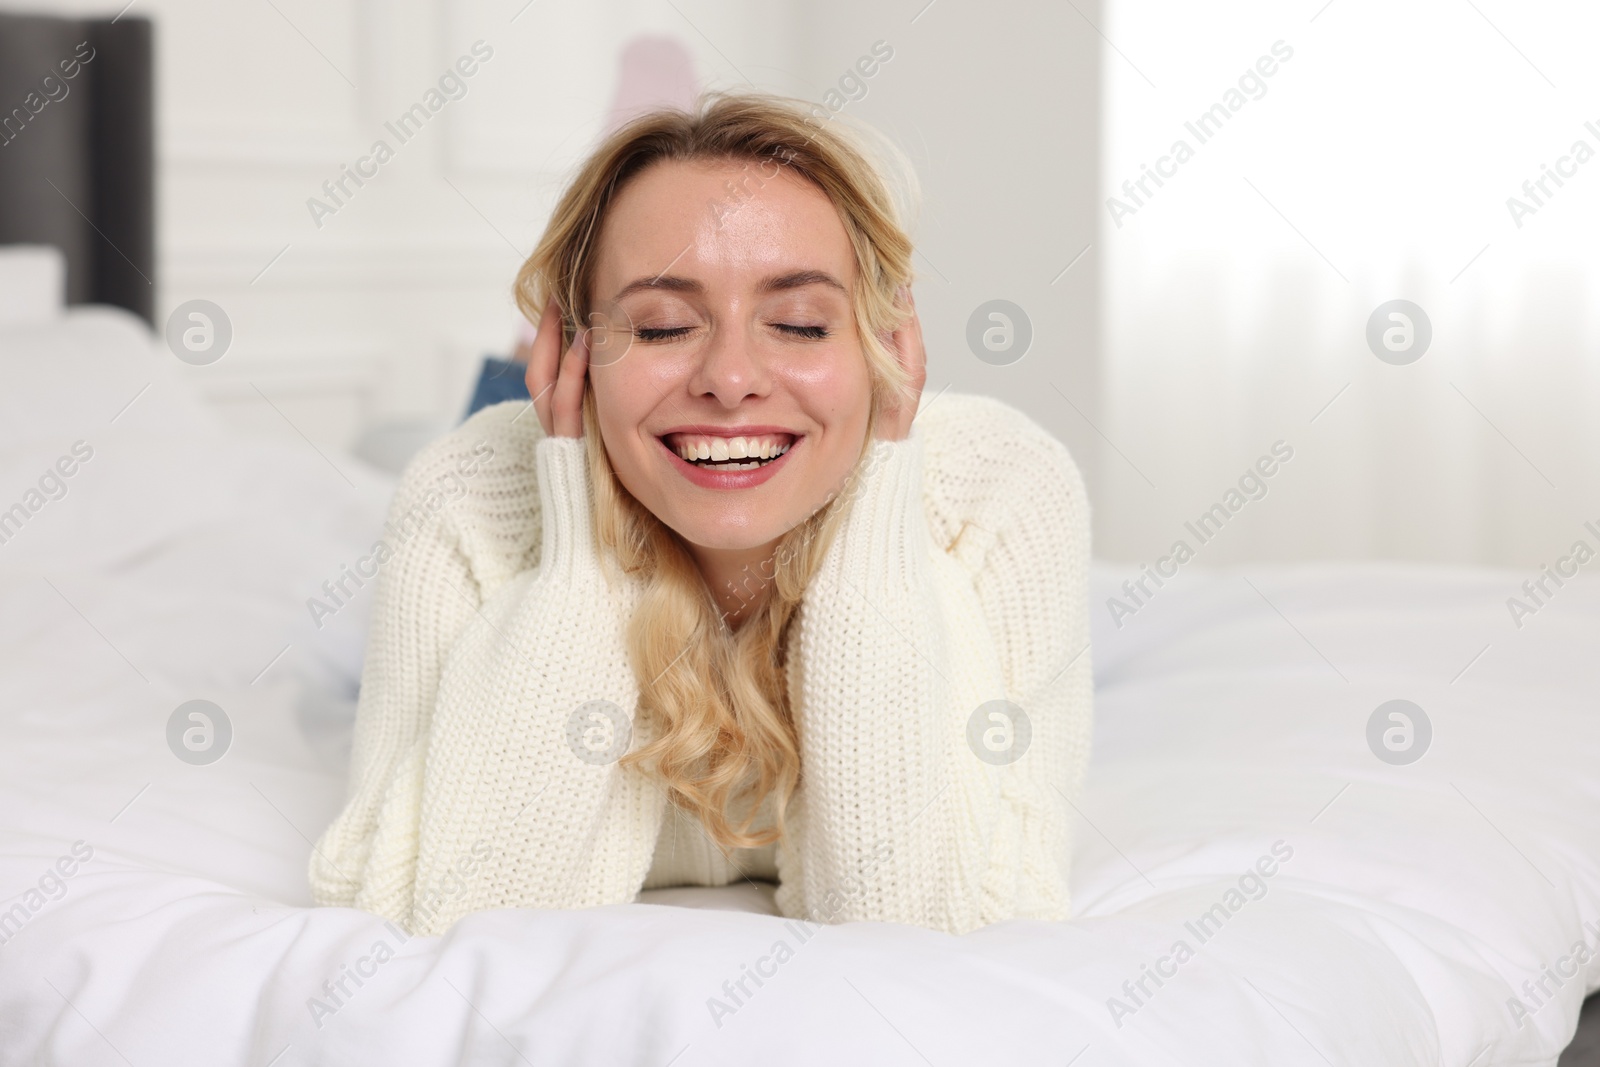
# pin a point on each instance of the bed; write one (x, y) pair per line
(1337, 907)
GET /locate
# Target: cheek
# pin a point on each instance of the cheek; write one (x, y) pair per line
(837, 391)
(622, 402)
(837, 394)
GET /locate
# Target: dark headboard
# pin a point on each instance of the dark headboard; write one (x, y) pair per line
(77, 155)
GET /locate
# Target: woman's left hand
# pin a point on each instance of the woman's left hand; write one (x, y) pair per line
(906, 343)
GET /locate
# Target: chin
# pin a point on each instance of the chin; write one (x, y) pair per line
(725, 538)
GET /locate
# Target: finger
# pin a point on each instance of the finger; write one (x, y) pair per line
(921, 348)
(566, 399)
(540, 395)
(915, 361)
(542, 361)
(908, 344)
(909, 306)
(914, 321)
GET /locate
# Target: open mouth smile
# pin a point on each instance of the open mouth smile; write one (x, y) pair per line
(726, 460)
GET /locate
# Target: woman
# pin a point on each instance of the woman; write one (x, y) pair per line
(740, 602)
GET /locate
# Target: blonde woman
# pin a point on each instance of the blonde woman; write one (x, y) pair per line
(734, 600)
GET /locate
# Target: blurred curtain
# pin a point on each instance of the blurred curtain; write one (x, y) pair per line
(1340, 156)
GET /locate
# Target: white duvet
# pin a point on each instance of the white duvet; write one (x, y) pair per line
(1252, 884)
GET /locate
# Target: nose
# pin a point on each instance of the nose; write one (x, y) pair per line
(729, 368)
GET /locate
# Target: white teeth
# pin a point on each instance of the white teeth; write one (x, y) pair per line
(725, 450)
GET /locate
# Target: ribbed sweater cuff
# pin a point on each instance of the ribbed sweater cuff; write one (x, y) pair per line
(566, 500)
(883, 543)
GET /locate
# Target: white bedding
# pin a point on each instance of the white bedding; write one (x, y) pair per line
(1231, 715)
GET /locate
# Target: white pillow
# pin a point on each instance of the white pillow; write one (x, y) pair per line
(104, 451)
(33, 284)
(195, 548)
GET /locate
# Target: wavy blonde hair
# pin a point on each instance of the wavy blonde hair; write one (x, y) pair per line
(726, 742)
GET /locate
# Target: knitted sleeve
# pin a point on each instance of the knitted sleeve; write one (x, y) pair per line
(942, 693)
(522, 802)
(482, 770)
(423, 596)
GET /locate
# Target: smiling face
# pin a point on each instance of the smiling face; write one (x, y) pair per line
(744, 350)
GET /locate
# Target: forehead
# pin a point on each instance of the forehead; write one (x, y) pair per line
(724, 223)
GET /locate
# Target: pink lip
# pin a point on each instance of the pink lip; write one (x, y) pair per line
(710, 479)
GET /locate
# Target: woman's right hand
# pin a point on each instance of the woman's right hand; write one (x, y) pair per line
(556, 380)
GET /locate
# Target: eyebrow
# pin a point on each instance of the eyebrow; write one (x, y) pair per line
(671, 283)
(799, 279)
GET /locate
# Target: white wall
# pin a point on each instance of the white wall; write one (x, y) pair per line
(1377, 167)
(998, 105)
(388, 308)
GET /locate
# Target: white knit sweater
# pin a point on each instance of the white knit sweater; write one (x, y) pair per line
(959, 577)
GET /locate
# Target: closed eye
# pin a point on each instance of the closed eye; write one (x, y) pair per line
(672, 333)
(812, 333)
(645, 333)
